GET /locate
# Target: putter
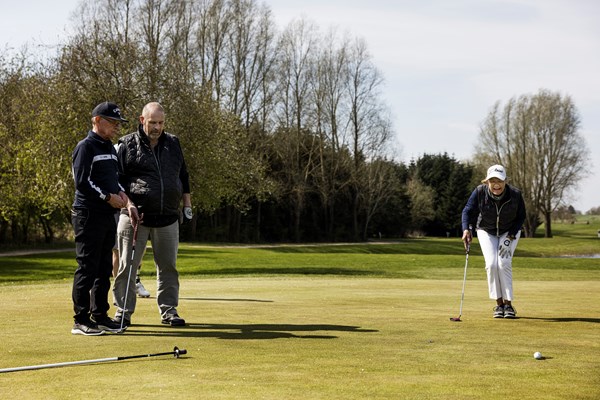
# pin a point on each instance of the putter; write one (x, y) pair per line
(462, 296)
(176, 352)
(135, 227)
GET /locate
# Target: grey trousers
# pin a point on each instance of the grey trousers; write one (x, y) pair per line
(165, 243)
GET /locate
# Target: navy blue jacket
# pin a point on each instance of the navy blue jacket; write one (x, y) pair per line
(496, 217)
(96, 173)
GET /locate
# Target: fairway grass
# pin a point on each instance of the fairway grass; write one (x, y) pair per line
(314, 337)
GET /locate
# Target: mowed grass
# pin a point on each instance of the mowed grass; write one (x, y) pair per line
(317, 338)
(429, 258)
(321, 322)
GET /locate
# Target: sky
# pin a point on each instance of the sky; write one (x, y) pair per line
(444, 63)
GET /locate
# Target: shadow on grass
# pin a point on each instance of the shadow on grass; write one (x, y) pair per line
(246, 331)
(325, 270)
(567, 319)
(413, 246)
(217, 299)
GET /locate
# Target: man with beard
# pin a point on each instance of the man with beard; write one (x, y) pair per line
(153, 172)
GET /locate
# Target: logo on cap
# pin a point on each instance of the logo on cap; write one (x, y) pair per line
(108, 110)
(496, 171)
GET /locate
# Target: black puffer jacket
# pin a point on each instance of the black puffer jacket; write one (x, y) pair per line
(154, 179)
(495, 216)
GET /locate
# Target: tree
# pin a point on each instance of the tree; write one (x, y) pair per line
(328, 92)
(394, 217)
(378, 188)
(297, 48)
(450, 182)
(536, 137)
(368, 126)
(35, 164)
(177, 58)
(422, 199)
(292, 121)
(593, 211)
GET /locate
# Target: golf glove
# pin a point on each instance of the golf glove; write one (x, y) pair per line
(504, 249)
(187, 215)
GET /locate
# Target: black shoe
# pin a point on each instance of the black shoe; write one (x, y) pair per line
(510, 312)
(499, 312)
(173, 320)
(87, 329)
(126, 322)
(108, 324)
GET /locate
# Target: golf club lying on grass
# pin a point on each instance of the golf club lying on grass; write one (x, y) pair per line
(462, 296)
(176, 352)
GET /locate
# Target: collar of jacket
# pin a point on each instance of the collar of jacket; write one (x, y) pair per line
(94, 136)
(502, 195)
(145, 137)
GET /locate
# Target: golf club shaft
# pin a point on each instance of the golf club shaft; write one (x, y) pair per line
(63, 364)
(129, 274)
(176, 352)
(462, 296)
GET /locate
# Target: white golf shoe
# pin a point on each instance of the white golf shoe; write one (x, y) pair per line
(141, 290)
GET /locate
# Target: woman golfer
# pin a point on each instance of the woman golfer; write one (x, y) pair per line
(497, 210)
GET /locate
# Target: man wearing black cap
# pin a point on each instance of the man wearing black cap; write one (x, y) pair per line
(98, 196)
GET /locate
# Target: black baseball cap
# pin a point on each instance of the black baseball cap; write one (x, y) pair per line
(108, 110)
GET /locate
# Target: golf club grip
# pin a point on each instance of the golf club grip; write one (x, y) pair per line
(135, 227)
(468, 249)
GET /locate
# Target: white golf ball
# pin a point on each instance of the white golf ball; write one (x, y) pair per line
(537, 355)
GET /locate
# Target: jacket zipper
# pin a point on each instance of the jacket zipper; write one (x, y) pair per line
(161, 179)
(498, 210)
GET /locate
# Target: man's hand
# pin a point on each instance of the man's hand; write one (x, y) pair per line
(187, 215)
(133, 214)
(124, 198)
(117, 201)
(504, 249)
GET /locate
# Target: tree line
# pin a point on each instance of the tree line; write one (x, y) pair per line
(284, 131)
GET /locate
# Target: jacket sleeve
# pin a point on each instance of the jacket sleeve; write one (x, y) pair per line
(185, 178)
(82, 169)
(471, 211)
(184, 175)
(520, 219)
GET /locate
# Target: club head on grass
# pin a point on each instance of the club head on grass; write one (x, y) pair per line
(457, 319)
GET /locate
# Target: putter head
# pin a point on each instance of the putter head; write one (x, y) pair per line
(457, 319)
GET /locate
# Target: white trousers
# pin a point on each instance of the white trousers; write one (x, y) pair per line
(499, 270)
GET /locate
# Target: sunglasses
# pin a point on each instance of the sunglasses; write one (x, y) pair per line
(112, 122)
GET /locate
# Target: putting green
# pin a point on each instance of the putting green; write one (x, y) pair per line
(314, 338)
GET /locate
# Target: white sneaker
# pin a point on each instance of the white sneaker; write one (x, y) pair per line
(141, 290)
